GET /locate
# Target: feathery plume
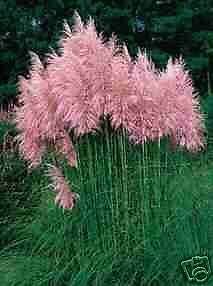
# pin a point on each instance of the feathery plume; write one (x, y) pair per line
(27, 116)
(133, 104)
(181, 113)
(35, 118)
(117, 99)
(145, 121)
(63, 145)
(64, 198)
(80, 78)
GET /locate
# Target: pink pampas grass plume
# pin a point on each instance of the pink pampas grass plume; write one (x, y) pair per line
(181, 112)
(133, 103)
(148, 119)
(143, 123)
(64, 197)
(64, 145)
(80, 77)
(35, 118)
(118, 97)
(27, 116)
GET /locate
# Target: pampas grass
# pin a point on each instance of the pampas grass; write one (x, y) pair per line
(128, 226)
